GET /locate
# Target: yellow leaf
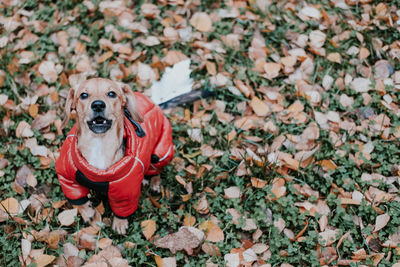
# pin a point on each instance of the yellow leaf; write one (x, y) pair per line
(206, 225)
(328, 164)
(189, 220)
(33, 110)
(148, 228)
(159, 261)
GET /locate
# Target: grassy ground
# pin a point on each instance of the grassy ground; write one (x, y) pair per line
(295, 143)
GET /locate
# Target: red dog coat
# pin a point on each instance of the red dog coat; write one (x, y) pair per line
(122, 180)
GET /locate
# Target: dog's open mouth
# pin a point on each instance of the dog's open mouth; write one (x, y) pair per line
(99, 125)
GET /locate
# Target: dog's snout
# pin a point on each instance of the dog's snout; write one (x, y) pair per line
(98, 105)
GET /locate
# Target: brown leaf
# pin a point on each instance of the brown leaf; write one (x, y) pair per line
(201, 21)
(232, 192)
(189, 220)
(44, 260)
(23, 130)
(187, 238)
(259, 107)
(48, 70)
(33, 110)
(381, 221)
(104, 242)
(43, 121)
(10, 205)
(87, 241)
(272, 70)
(202, 205)
(67, 217)
(148, 228)
(26, 246)
(329, 236)
(258, 183)
(211, 249)
(278, 189)
(335, 57)
(105, 56)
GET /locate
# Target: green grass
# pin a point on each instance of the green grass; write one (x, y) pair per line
(253, 202)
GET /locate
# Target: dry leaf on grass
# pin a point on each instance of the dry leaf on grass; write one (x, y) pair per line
(381, 221)
(213, 232)
(67, 217)
(23, 130)
(187, 238)
(10, 205)
(201, 21)
(259, 107)
(232, 192)
(148, 228)
(48, 71)
(44, 260)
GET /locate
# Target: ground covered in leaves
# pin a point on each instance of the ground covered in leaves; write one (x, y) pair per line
(293, 162)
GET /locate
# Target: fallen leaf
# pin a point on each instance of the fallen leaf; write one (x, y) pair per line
(23, 130)
(361, 85)
(259, 107)
(187, 238)
(201, 21)
(232, 260)
(67, 217)
(232, 192)
(26, 246)
(381, 221)
(189, 220)
(44, 260)
(272, 70)
(148, 228)
(335, 57)
(48, 71)
(10, 205)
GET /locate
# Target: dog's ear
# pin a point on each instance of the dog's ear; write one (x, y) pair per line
(69, 106)
(130, 102)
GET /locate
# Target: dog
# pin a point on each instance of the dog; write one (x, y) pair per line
(118, 138)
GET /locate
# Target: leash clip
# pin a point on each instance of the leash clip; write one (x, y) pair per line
(138, 129)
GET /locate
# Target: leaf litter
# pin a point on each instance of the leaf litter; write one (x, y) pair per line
(297, 151)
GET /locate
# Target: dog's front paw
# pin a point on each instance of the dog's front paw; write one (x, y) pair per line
(86, 211)
(120, 225)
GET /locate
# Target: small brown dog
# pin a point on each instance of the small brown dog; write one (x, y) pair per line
(119, 137)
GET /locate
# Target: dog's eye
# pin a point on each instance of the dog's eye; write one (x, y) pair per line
(112, 94)
(83, 96)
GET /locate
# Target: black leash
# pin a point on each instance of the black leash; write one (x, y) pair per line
(138, 129)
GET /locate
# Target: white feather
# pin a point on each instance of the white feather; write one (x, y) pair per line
(174, 82)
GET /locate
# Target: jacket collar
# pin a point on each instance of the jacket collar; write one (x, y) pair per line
(119, 169)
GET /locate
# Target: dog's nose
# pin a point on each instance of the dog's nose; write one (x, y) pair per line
(98, 105)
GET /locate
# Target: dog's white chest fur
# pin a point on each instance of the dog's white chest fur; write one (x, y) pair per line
(96, 156)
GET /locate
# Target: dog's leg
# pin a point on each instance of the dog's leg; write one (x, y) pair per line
(86, 210)
(155, 183)
(120, 225)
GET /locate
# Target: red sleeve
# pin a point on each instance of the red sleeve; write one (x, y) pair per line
(124, 194)
(75, 193)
